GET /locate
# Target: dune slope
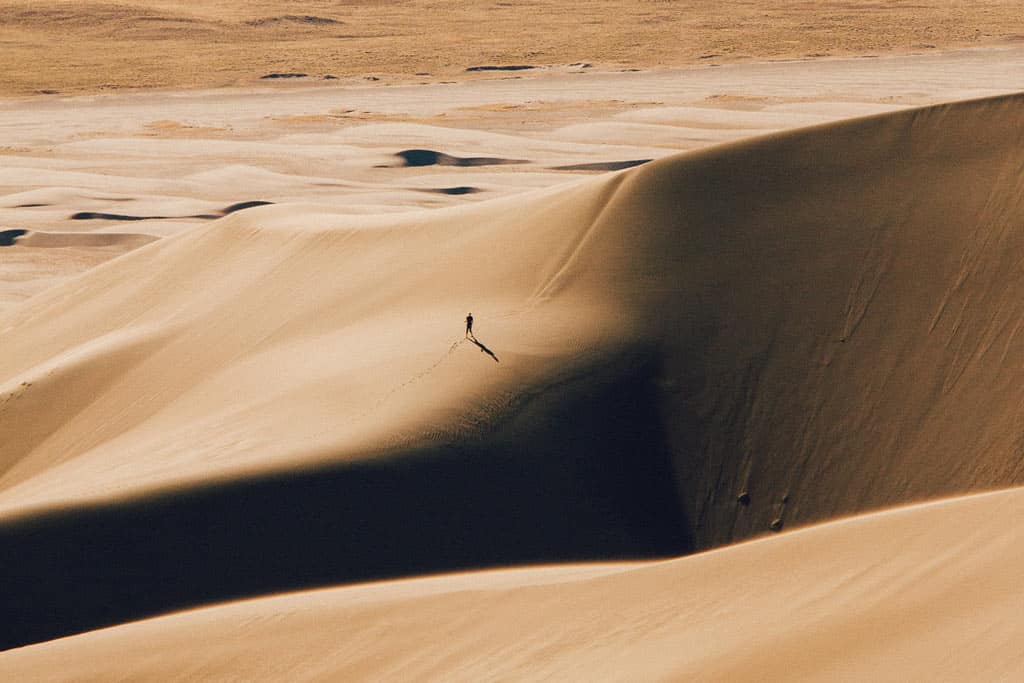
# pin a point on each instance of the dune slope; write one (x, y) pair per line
(922, 593)
(688, 353)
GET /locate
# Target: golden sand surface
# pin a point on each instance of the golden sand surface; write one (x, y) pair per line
(77, 46)
(923, 593)
(746, 371)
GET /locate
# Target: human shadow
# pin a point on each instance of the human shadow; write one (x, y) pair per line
(483, 348)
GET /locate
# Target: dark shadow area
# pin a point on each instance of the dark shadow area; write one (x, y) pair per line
(429, 157)
(294, 18)
(284, 75)
(461, 189)
(483, 348)
(97, 216)
(94, 215)
(29, 206)
(510, 67)
(582, 471)
(8, 237)
(241, 206)
(602, 165)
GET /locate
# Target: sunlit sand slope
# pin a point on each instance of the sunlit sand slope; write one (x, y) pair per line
(692, 352)
(926, 593)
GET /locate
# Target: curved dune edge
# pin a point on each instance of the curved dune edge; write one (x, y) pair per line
(913, 593)
(761, 335)
(41, 239)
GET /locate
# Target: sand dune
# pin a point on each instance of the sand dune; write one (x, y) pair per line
(759, 335)
(922, 594)
(125, 241)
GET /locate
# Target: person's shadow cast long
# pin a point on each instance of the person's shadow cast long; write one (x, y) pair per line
(483, 348)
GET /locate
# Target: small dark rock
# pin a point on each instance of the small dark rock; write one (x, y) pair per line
(743, 499)
(776, 524)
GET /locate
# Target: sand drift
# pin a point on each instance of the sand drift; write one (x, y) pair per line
(695, 351)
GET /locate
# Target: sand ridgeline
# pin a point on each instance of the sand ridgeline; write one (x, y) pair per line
(921, 593)
(693, 352)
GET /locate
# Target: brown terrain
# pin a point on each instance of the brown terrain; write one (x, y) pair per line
(743, 398)
(77, 46)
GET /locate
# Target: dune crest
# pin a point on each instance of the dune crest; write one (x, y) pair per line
(768, 333)
(919, 593)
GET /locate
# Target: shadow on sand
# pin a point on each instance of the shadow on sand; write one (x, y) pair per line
(602, 165)
(578, 470)
(9, 237)
(483, 348)
(95, 215)
(430, 157)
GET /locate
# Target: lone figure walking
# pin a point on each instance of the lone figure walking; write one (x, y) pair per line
(469, 325)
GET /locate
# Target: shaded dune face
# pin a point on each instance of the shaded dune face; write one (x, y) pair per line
(429, 157)
(603, 165)
(695, 351)
(8, 237)
(839, 311)
(594, 483)
(94, 215)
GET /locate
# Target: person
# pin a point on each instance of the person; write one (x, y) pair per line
(469, 325)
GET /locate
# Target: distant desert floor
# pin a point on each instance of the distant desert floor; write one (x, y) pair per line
(83, 46)
(713, 302)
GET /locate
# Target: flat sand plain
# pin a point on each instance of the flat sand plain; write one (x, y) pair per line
(76, 46)
(713, 303)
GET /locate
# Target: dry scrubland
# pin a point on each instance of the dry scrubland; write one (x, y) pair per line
(76, 46)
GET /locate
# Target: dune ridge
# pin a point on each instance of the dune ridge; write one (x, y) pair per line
(921, 592)
(748, 374)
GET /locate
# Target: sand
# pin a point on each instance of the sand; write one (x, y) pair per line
(76, 46)
(919, 593)
(234, 365)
